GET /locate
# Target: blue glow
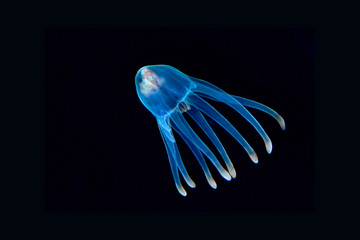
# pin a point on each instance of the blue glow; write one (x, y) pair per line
(168, 93)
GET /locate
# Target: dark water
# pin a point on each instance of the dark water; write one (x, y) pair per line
(103, 148)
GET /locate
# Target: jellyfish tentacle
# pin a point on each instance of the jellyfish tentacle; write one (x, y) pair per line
(181, 166)
(176, 153)
(199, 157)
(244, 101)
(253, 104)
(201, 121)
(183, 126)
(229, 100)
(163, 122)
(206, 108)
(205, 83)
(169, 145)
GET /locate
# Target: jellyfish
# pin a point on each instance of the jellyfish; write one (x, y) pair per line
(168, 93)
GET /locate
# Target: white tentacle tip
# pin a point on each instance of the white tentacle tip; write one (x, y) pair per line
(282, 123)
(212, 183)
(268, 146)
(254, 157)
(226, 175)
(181, 190)
(232, 172)
(191, 183)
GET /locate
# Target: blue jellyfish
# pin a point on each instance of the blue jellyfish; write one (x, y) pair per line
(168, 93)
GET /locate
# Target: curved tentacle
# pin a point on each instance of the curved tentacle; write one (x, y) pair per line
(182, 168)
(198, 156)
(176, 154)
(201, 121)
(229, 100)
(244, 101)
(163, 122)
(169, 145)
(183, 126)
(206, 108)
(261, 107)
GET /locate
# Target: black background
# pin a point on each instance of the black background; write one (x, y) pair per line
(103, 148)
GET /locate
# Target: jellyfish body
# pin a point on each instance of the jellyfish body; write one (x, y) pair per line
(168, 93)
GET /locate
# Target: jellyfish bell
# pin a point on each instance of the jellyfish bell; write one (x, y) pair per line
(161, 88)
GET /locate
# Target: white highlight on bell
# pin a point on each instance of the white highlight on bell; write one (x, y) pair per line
(150, 82)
